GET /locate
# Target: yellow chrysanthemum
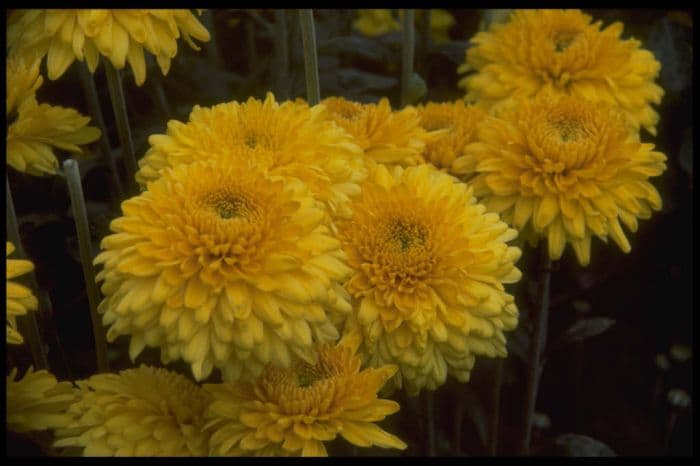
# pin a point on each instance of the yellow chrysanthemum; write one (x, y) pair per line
(225, 266)
(561, 51)
(385, 136)
(20, 299)
(289, 139)
(139, 412)
(429, 266)
(459, 122)
(119, 35)
(36, 128)
(37, 401)
(375, 22)
(565, 169)
(291, 412)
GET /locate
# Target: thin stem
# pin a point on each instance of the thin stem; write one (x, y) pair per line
(28, 322)
(282, 55)
(308, 38)
(116, 95)
(407, 53)
(537, 341)
(87, 82)
(75, 189)
(496, 407)
(430, 417)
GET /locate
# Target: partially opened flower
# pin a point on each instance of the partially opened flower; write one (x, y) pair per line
(289, 139)
(459, 122)
(225, 266)
(292, 411)
(562, 52)
(20, 299)
(375, 22)
(385, 136)
(36, 129)
(119, 35)
(37, 401)
(429, 267)
(565, 169)
(139, 412)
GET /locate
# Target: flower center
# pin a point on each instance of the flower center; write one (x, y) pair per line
(227, 205)
(435, 123)
(569, 129)
(563, 39)
(308, 374)
(404, 234)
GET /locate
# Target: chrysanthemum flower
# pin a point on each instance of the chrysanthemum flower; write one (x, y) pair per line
(37, 401)
(561, 51)
(459, 122)
(429, 266)
(291, 412)
(225, 266)
(565, 169)
(385, 136)
(375, 22)
(35, 129)
(119, 35)
(139, 412)
(20, 299)
(289, 139)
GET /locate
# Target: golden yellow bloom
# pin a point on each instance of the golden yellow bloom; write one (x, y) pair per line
(376, 22)
(225, 266)
(385, 136)
(429, 266)
(565, 169)
(20, 299)
(561, 51)
(119, 35)
(37, 128)
(289, 139)
(460, 122)
(37, 401)
(291, 412)
(139, 412)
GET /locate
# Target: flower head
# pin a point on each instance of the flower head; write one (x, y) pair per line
(562, 52)
(139, 412)
(35, 129)
(375, 22)
(429, 266)
(289, 139)
(565, 169)
(37, 401)
(20, 299)
(293, 411)
(119, 35)
(385, 136)
(225, 266)
(459, 122)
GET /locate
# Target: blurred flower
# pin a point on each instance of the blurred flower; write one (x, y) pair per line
(139, 412)
(385, 136)
(560, 51)
(289, 139)
(429, 266)
(681, 353)
(293, 411)
(225, 266)
(662, 362)
(565, 169)
(37, 401)
(678, 398)
(375, 22)
(459, 122)
(36, 128)
(119, 35)
(20, 299)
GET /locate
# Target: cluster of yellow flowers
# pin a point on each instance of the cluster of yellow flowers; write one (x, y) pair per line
(313, 255)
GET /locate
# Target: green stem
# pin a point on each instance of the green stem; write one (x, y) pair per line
(537, 341)
(93, 102)
(28, 322)
(407, 53)
(116, 95)
(496, 407)
(75, 189)
(308, 37)
(282, 52)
